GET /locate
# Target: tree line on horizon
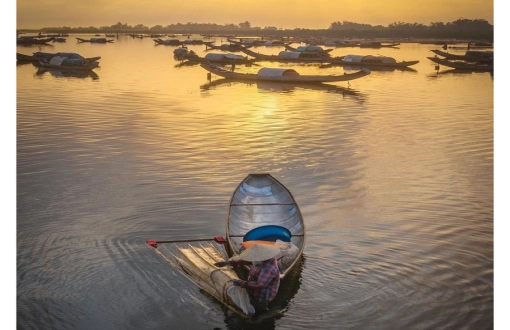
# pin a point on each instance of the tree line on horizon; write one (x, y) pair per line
(460, 28)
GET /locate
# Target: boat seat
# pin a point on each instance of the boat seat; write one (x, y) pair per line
(247, 244)
(268, 233)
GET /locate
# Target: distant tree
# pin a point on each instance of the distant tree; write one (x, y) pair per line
(245, 25)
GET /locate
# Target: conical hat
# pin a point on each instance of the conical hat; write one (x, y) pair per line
(259, 252)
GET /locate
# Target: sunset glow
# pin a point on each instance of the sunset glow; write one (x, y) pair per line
(288, 14)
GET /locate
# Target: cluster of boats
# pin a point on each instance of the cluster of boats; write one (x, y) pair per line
(472, 60)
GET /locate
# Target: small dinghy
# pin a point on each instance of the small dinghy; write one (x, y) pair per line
(262, 211)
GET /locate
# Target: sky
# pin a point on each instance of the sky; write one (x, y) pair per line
(286, 14)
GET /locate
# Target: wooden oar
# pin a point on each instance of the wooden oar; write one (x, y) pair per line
(217, 239)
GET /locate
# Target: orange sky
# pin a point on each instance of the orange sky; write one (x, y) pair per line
(286, 14)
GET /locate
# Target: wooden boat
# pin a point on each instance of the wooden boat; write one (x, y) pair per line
(292, 57)
(67, 62)
(377, 44)
(283, 75)
(469, 56)
(285, 87)
(42, 55)
(261, 211)
(226, 47)
(95, 40)
(33, 40)
(308, 48)
(371, 61)
(262, 208)
(168, 42)
(217, 58)
(463, 65)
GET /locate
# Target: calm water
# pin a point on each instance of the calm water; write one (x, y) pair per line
(393, 173)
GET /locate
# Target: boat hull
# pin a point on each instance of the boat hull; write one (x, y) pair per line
(261, 200)
(462, 65)
(289, 79)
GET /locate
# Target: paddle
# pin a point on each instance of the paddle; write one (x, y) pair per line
(217, 239)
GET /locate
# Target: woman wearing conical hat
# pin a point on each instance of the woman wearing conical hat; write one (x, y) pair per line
(264, 276)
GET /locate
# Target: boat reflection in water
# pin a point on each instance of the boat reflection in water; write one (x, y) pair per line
(67, 73)
(287, 87)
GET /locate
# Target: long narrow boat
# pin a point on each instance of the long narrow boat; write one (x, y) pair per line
(308, 48)
(470, 56)
(261, 211)
(463, 65)
(215, 58)
(372, 61)
(42, 55)
(283, 75)
(68, 62)
(95, 40)
(33, 40)
(292, 57)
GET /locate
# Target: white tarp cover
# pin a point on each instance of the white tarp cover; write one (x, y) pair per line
(310, 49)
(368, 59)
(219, 57)
(57, 60)
(286, 54)
(277, 72)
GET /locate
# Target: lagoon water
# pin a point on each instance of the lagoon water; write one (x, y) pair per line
(393, 173)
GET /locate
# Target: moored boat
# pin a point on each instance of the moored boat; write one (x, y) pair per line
(168, 42)
(33, 40)
(463, 65)
(377, 44)
(371, 61)
(67, 62)
(262, 211)
(36, 56)
(283, 75)
(292, 57)
(307, 48)
(470, 56)
(216, 58)
(95, 40)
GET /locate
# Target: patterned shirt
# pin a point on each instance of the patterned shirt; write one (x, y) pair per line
(263, 281)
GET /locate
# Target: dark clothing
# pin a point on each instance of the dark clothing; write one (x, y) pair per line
(263, 282)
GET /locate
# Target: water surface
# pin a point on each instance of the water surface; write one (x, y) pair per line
(393, 173)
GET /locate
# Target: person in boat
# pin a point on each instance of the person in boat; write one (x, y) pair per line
(263, 277)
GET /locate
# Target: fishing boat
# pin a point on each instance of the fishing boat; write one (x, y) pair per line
(283, 75)
(292, 57)
(372, 61)
(307, 48)
(33, 40)
(67, 62)
(470, 56)
(261, 211)
(216, 58)
(464, 65)
(36, 56)
(378, 44)
(95, 40)
(168, 42)
(226, 47)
